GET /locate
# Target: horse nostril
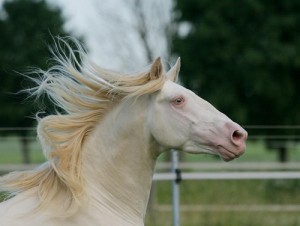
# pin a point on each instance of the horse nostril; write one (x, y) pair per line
(237, 134)
(237, 137)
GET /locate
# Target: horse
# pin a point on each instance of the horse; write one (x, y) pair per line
(102, 142)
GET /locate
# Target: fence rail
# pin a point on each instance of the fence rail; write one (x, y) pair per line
(239, 166)
(6, 168)
(248, 175)
(228, 176)
(231, 208)
(17, 128)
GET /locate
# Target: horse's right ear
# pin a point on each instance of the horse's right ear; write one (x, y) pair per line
(156, 69)
(172, 74)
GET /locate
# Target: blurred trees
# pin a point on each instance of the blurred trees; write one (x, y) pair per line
(243, 56)
(146, 28)
(25, 27)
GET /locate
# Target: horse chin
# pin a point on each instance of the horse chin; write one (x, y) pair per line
(227, 151)
(228, 155)
(192, 147)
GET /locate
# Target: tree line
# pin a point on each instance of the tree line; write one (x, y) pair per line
(25, 27)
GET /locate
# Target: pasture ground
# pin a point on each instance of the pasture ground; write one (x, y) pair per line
(230, 203)
(211, 203)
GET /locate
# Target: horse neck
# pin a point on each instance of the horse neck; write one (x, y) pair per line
(119, 161)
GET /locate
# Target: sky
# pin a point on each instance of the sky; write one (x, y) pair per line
(109, 29)
(84, 20)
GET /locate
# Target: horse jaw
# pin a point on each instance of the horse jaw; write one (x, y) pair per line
(194, 125)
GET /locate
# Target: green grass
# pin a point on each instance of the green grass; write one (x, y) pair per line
(229, 192)
(226, 219)
(232, 192)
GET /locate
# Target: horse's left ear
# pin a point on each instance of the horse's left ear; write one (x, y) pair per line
(156, 69)
(172, 74)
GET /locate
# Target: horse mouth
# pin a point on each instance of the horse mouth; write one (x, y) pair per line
(228, 155)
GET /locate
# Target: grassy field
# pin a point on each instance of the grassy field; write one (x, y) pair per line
(227, 219)
(214, 198)
(206, 202)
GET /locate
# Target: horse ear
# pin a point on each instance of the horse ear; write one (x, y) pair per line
(172, 74)
(156, 69)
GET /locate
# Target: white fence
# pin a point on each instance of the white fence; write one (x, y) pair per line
(244, 175)
(176, 176)
(229, 176)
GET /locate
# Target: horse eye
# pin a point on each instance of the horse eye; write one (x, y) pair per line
(178, 101)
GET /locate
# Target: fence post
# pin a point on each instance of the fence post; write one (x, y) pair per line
(176, 189)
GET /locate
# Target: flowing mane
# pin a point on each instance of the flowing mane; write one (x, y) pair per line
(84, 93)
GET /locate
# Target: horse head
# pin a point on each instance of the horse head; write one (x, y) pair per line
(179, 119)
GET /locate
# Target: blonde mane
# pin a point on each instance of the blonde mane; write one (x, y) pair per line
(84, 93)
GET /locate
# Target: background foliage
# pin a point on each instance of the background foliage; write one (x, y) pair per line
(25, 27)
(243, 56)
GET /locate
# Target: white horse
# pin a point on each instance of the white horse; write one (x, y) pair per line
(102, 149)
